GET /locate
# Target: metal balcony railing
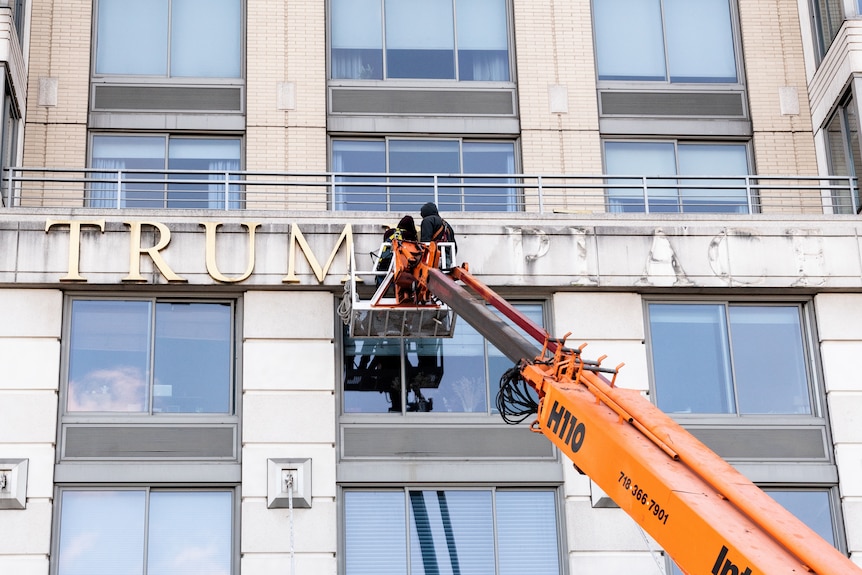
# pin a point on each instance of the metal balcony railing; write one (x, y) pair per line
(389, 192)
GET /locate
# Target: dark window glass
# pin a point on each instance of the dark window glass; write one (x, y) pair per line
(845, 157)
(729, 359)
(420, 40)
(407, 193)
(110, 532)
(171, 38)
(828, 17)
(452, 375)
(652, 183)
(473, 532)
(676, 41)
(137, 160)
(146, 357)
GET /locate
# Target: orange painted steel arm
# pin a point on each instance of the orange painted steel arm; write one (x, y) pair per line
(703, 512)
(709, 517)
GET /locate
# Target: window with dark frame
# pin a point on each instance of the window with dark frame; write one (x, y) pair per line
(150, 356)
(446, 530)
(482, 192)
(141, 530)
(449, 375)
(465, 40)
(739, 359)
(675, 41)
(711, 185)
(828, 15)
(168, 38)
(845, 156)
(199, 169)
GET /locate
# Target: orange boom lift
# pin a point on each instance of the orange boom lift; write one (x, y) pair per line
(708, 517)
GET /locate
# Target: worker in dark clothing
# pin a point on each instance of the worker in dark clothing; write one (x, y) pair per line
(436, 229)
(407, 229)
(431, 221)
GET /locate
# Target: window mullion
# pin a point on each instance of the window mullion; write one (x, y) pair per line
(664, 42)
(455, 39)
(168, 70)
(383, 43)
(146, 556)
(495, 530)
(729, 339)
(151, 359)
(402, 346)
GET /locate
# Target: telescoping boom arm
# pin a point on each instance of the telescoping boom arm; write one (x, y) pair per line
(705, 514)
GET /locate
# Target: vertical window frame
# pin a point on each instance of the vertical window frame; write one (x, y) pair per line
(847, 117)
(511, 202)
(746, 205)
(821, 29)
(812, 364)
(558, 505)
(149, 416)
(235, 513)
(735, 45)
(168, 76)
(103, 195)
(385, 66)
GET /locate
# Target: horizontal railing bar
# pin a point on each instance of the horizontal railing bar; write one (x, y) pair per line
(385, 191)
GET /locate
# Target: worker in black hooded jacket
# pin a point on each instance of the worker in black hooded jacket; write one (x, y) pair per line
(434, 228)
(431, 221)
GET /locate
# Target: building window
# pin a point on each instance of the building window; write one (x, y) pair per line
(843, 149)
(145, 531)
(452, 375)
(8, 141)
(666, 189)
(403, 194)
(673, 41)
(828, 16)
(729, 358)
(415, 532)
(142, 158)
(150, 356)
(425, 39)
(169, 38)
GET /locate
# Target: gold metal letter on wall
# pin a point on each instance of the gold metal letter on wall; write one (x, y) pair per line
(135, 251)
(212, 266)
(72, 275)
(296, 237)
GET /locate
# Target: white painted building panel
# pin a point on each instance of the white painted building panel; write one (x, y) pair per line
(289, 417)
(21, 564)
(604, 563)
(839, 316)
(849, 459)
(293, 365)
(30, 363)
(289, 315)
(26, 531)
(30, 312)
(592, 315)
(268, 530)
(602, 529)
(28, 417)
(270, 563)
(845, 411)
(841, 364)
